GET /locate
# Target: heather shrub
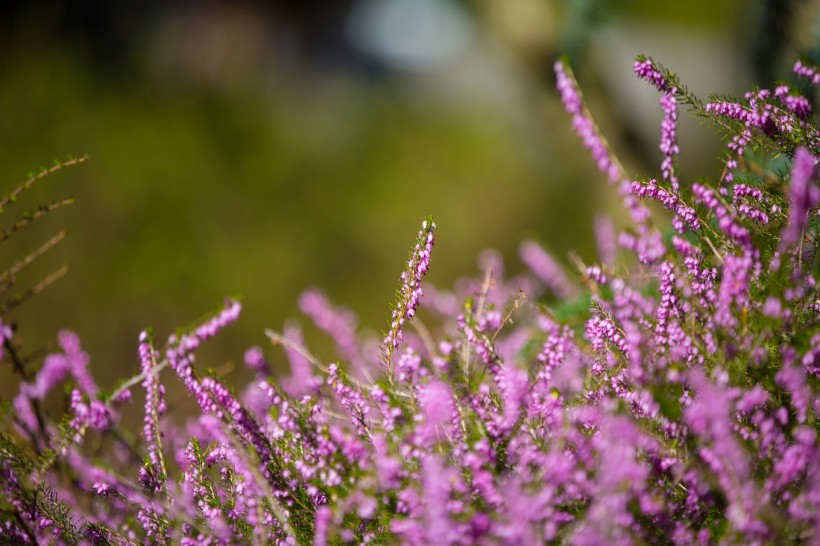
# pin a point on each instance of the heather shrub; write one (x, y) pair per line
(665, 394)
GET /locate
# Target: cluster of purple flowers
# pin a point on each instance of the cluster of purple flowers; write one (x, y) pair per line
(667, 393)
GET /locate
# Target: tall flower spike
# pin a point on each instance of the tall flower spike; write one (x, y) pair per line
(153, 475)
(338, 322)
(669, 139)
(803, 195)
(646, 70)
(583, 124)
(180, 351)
(409, 295)
(647, 244)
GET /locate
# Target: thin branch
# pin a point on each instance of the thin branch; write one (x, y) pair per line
(26, 184)
(36, 289)
(137, 379)
(279, 339)
(10, 273)
(34, 215)
(520, 297)
(16, 362)
(20, 369)
(426, 338)
(714, 250)
(482, 296)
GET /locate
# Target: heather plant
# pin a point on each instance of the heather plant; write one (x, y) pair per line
(666, 393)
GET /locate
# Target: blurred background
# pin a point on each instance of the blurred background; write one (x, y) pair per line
(261, 148)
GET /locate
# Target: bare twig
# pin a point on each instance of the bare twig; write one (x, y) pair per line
(26, 184)
(137, 379)
(36, 289)
(7, 276)
(32, 216)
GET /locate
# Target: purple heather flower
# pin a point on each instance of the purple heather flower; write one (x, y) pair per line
(24, 411)
(492, 261)
(811, 359)
(410, 292)
(255, 360)
(437, 406)
(606, 239)
(388, 469)
(752, 399)
(153, 475)
(238, 461)
(646, 70)
(94, 414)
(594, 273)
(5, 335)
(77, 362)
(726, 222)
(748, 202)
(685, 215)
(647, 244)
(324, 517)
(793, 380)
(180, 351)
(708, 418)
(763, 115)
(302, 380)
(799, 105)
(809, 72)
(93, 477)
(734, 289)
(490, 321)
(609, 515)
(439, 527)
(55, 368)
(601, 330)
(669, 308)
(350, 398)
(514, 388)
(804, 194)
(480, 343)
(339, 323)
(390, 414)
(772, 307)
(216, 399)
(547, 270)
(408, 366)
(728, 109)
(669, 141)
(583, 124)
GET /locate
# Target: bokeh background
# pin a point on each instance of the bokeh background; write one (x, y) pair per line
(260, 148)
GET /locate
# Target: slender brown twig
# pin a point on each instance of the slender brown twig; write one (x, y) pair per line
(31, 216)
(26, 184)
(33, 291)
(7, 277)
